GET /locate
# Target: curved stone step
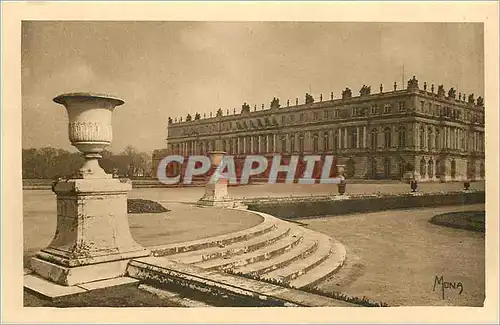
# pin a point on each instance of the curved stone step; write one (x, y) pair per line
(269, 223)
(306, 247)
(265, 253)
(281, 231)
(302, 266)
(321, 272)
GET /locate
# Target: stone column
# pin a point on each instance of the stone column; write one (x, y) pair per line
(92, 241)
(345, 137)
(357, 136)
(364, 136)
(339, 140)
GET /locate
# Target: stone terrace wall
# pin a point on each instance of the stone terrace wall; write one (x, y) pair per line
(300, 207)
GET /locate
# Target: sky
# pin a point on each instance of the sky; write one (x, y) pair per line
(163, 69)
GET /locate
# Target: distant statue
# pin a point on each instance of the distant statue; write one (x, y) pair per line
(425, 86)
(471, 99)
(347, 93)
(204, 115)
(288, 103)
(227, 111)
(234, 111)
(480, 101)
(441, 90)
(210, 114)
(331, 95)
(365, 90)
(452, 93)
(321, 97)
(296, 101)
(197, 116)
(432, 88)
(395, 86)
(459, 96)
(309, 98)
(219, 112)
(381, 88)
(188, 118)
(169, 120)
(245, 108)
(255, 107)
(413, 84)
(181, 119)
(464, 97)
(275, 103)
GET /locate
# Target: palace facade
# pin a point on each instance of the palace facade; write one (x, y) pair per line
(437, 135)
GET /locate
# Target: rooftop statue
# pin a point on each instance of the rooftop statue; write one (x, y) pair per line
(365, 90)
(275, 103)
(309, 98)
(471, 99)
(452, 93)
(480, 101)
(169, 120)
(441, 90)
(197, 116)
(188, 118)
(245, 108)
(219, 112)
(347, 93)
(413, 83)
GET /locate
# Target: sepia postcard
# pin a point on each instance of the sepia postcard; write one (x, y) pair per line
(164, 160)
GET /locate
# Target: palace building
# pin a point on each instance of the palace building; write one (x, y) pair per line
(437, 135)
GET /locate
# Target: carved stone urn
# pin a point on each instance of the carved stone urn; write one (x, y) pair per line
(92, 240)
(342, 185)
(216, 193)
(89, 128)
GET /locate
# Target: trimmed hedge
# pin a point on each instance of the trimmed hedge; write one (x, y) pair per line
(144, 206)
(313, 208)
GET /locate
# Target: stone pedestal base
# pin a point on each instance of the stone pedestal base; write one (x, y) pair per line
(92, 240)
(70, 276)
(340, 197)
(216, 195)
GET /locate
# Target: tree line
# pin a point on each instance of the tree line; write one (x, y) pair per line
(51, 163)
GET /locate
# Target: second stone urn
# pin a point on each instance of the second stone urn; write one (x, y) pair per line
(92, 240)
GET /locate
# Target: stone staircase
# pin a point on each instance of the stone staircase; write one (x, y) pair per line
(275, 250)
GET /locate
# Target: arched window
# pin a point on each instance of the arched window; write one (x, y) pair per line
(430, 168)
(292, 143)
(422, 137)
(453, 168)
(401, 167)
(326, 142)
(301, 143)
(335, 142)
(354, 138)
(256, 143)
(430, 143)
(315, 143)
(350, 167)
(387, 137)
(387, 167)
(402, 137)
(437, 139)
(373, 165)
(283, 143)
(422, 167)
(374, 139)
(438, 168)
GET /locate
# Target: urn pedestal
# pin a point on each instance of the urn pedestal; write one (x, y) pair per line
(216, 188)
(92, 239)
